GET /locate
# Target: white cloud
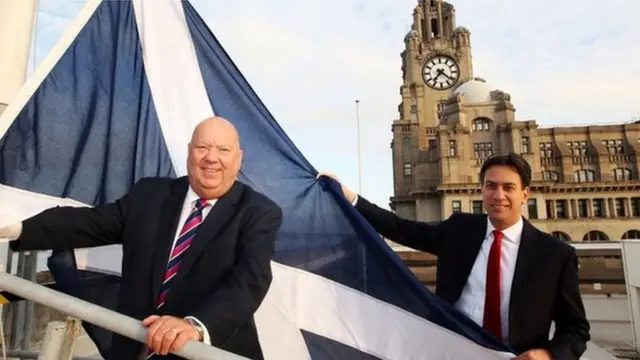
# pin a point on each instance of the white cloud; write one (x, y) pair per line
(562, 61)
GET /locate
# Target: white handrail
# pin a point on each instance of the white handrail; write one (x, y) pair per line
(105, 318)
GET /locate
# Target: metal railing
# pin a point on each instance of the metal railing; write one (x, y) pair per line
(103, 317)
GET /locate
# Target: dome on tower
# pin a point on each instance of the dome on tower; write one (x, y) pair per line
(475, 91)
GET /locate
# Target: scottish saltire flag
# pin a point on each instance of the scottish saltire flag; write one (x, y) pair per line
(117, 100)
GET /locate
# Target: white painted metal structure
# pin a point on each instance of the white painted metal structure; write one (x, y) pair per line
(631, 263)
(16, 30)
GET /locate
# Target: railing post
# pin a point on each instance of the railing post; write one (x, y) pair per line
(59, 340)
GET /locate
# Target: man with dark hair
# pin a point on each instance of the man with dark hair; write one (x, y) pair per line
(499, 270)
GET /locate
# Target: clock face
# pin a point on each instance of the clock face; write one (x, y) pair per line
(440, 72)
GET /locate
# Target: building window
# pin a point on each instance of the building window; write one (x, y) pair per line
(550, 176)
(621, 174)
(631, 235)
(482, 150)
(477, 207)
(456, 206)
(614, 146)
(635, 207)
(598, 207)
(583, 208)
(440, 109)
(480, 125)
(560, 235)
(578, 148)
(620, 210)
(452, 148)
(561, 209)
(532, 206)
(584, 176)
(546, 150)
(549, 205)
(595, 235)
(526, 147)
(408, 170)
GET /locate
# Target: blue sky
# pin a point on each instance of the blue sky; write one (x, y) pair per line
(564, 62)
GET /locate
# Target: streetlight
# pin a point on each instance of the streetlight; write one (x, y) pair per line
(358, 149)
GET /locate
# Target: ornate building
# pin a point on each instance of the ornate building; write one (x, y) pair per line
(585, 179)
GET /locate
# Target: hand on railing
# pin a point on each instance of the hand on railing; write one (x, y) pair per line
(11, 232)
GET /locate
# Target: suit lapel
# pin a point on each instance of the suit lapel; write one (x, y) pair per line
(525, 265)
(221, 212)
(469, 249)
(168, 225)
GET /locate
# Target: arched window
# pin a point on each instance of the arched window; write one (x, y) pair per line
(631, 235)
(560, 235)
(584, 176)
(595, 235)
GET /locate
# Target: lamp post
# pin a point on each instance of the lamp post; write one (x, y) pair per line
(358, 146)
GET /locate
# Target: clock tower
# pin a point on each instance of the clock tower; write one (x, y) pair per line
(436, 59)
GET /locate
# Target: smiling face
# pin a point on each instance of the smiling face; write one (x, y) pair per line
(503, 195)
(214, 158)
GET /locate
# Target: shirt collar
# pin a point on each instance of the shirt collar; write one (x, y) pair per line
(513, 233)
(192, 197)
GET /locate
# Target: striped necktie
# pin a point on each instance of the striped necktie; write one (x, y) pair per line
(187, 234)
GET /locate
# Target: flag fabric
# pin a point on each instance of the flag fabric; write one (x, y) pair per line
(117, 100)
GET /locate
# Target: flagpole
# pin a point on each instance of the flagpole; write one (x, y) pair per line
(17, 20)
(358, 146)
(16, 30)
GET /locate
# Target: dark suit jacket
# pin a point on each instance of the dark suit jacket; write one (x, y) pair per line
(222, 280)
(545, 284)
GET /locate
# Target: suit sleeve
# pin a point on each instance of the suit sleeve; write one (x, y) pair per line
(571, 335)
(65, 228)
(414, 234)
(246, 285)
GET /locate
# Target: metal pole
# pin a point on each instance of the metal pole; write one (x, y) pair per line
(58, 342)
(19, 309)
(102, 317)
(358, 132)
(31, 262)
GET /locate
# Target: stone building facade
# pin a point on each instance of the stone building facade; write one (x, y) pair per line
(585, 187)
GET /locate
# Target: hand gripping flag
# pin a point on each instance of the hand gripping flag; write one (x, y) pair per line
(117, 100)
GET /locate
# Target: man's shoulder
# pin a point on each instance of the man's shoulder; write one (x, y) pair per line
(548, 240)
(467, 218)
(157, 183)
(256, 199)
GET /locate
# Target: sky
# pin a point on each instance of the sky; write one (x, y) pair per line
(564, 62)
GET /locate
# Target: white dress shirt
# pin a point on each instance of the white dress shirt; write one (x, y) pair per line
(187, 206)
(471, 300)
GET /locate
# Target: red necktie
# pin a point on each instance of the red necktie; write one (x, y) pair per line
(492, 321)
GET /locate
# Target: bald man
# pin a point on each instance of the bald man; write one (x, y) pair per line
(196, 250)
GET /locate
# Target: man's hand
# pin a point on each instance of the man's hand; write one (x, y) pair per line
(350, 195)
(11, 232)
(536, 354)
(167, 334)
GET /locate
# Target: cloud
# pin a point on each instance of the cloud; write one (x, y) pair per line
(563, 62)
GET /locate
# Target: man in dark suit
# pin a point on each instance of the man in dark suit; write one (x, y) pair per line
(499, 270)
(196, 250)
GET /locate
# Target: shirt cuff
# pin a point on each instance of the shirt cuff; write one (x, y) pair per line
(11, 232)
(205, 335)
(355, 200)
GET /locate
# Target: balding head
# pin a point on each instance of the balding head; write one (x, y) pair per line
(214, 158)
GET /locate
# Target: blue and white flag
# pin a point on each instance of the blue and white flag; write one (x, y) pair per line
(117, 100)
